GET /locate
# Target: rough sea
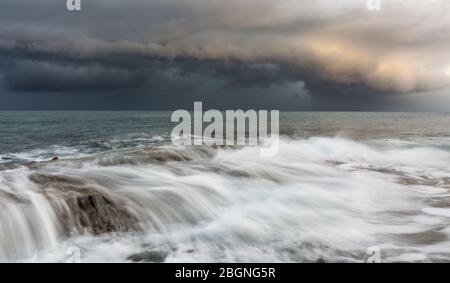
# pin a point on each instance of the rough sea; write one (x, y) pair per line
(120, 191)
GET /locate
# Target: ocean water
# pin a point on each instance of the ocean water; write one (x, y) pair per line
(120, 191)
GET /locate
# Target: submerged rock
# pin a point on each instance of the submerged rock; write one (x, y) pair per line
(148, 256)
(84, 207)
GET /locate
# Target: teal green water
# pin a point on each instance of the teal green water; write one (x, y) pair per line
(59, 133)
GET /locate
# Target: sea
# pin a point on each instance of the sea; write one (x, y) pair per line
(111, 187)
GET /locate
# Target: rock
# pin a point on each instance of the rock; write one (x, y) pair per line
(81, 206)
(148, 256)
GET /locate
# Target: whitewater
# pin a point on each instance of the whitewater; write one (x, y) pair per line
(138, 198)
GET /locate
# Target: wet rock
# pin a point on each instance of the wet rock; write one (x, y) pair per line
(442, 202)
(423, 238)
(143, 156)
(84, 207)
(101, 215)
(11, 197)
(148, 256)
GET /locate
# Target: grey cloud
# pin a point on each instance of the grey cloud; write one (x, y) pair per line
(36, 77)
(336, 48)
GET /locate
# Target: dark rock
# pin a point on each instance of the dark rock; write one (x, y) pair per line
(148, 256)
(86, 206)
(429, 237)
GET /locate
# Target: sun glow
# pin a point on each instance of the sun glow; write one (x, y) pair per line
(447, 71)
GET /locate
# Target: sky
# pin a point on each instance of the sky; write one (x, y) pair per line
(309, 55)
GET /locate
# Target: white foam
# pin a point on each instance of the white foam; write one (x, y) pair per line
(319, 198)
(437, 211)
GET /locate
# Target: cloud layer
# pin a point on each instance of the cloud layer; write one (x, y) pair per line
(331, 47)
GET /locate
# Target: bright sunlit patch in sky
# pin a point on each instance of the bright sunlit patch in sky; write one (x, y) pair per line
(447, 71)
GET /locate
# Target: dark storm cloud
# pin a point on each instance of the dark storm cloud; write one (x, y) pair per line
(230, 52)
(33, 76)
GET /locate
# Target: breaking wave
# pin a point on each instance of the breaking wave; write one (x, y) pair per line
(319, 199)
